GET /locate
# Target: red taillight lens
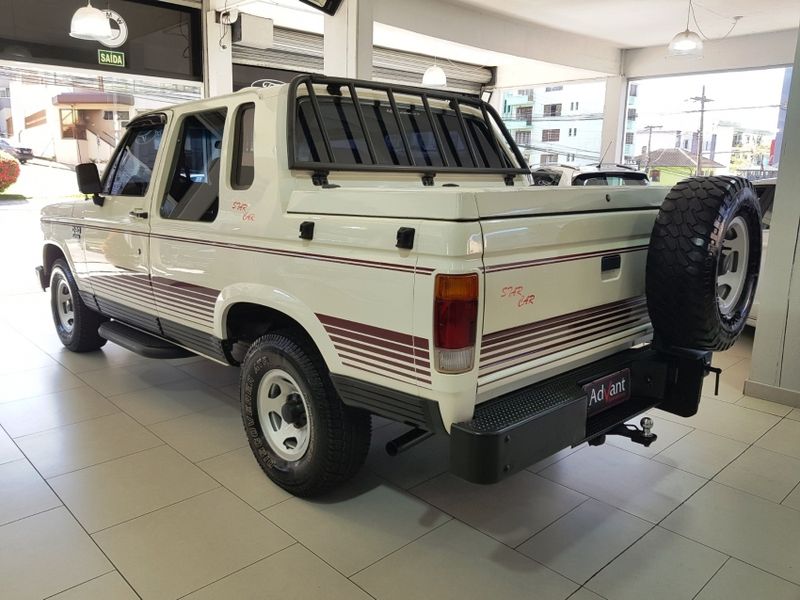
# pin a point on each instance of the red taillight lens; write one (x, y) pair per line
(455, 319)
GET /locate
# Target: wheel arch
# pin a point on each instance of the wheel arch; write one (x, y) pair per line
(50, 253)
(256, 310)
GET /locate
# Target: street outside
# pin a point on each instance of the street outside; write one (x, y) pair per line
(40, 183)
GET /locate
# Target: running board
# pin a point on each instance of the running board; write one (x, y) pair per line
(140, 342)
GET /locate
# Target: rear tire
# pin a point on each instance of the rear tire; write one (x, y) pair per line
(703, 262)
(304, 438)
(76, 324)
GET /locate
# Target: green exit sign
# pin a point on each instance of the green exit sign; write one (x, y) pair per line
(111, 58)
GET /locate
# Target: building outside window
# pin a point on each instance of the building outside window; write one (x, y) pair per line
(742, 127)
(538, 111)
(552, 110)
(551, 135)
(549, 159)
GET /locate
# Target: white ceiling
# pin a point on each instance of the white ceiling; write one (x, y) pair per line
(638, 23)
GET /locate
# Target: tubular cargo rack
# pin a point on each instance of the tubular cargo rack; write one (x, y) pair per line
(334, 87)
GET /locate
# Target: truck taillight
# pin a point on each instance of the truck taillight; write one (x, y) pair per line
(455, 319)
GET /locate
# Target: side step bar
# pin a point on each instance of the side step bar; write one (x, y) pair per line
(140, 342)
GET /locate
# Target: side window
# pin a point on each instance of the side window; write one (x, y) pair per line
(193, 191)
(130, 171)
(243, 167)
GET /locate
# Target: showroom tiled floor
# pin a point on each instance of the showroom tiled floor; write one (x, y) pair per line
(122, 477)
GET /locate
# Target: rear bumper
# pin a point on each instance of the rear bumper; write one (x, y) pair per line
(518, 429)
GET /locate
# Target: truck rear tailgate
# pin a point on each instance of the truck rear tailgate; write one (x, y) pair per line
(564, 279)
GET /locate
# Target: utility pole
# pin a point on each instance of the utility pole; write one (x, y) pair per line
(702, 100)
(649, 129)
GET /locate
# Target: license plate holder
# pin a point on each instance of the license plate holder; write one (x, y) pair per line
(609, 390)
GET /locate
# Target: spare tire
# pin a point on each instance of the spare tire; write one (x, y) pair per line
(703, 261)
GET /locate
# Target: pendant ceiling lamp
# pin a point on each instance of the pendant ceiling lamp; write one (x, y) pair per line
(434, 77)
(90, 23)
(687, 42)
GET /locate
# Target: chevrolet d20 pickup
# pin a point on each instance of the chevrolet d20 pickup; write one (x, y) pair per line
(360, 248)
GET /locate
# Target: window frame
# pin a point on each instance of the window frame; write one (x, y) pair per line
(238, 146)
(178, 123)
(112, 163)
(548, 135)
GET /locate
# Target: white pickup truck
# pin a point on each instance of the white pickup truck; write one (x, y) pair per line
(360, 248)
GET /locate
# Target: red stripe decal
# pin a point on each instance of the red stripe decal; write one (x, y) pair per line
(559, 259)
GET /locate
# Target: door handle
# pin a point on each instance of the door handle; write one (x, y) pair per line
(138, 213)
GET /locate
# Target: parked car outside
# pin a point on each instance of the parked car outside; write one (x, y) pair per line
(566, 175)
(23, 155)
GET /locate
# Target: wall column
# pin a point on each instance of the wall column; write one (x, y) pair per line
(613, 119)
(217, 55)
(775, 370)
(348, 40)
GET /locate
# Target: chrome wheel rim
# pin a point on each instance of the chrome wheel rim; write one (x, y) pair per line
(65, 308)
(283, 415)
(733, 266)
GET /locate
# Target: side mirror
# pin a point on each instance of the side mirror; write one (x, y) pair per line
(89, 181)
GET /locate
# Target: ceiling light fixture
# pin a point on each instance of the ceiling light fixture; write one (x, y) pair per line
(434, 76)
(687, 42)
(90, 23)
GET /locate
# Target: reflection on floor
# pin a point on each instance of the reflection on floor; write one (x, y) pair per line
(123, 477)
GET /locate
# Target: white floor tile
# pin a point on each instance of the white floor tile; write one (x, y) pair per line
(632, 483)
(668, 433)
(783, 438)
(739, 581)
(773, 408)
(794, 415)
(554, 458)
(24, 492)
(8, 449)
(763, 473)
(204, 434)
(702, 453)
(660, 566)
(109, 356)
(111, 382)
(585, 540)
(584, 594)
(510, 511)
(169, 401)
(726, 419)
(31, 415)
(18, 355)
(358, 524)
(417, 464)
(36, 382)
(793, 499)
(110, 586)
(240, 473)
(45, 554)
(181, 548)
(752, 529)
(128, 487)
(455, 562)
(291, 574)
(65, 449)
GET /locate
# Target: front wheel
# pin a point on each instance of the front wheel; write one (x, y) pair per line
(76, 324)
(302, 435)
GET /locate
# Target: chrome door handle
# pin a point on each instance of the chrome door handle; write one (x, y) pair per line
(139, 214)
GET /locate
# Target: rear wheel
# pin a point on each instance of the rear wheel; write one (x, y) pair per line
(703, 261)
(302, 435)
(76, 324)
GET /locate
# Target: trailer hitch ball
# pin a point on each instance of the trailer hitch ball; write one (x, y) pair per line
(647, 427)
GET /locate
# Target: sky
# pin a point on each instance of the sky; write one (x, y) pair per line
(664, 101)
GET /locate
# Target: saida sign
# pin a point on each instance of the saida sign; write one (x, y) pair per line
(110, 58)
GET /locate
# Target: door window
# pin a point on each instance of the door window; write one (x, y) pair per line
(131, 169)
(193, 192)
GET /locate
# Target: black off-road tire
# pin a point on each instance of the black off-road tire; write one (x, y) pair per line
(339, 436)
(684, 259)
(83, 337)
